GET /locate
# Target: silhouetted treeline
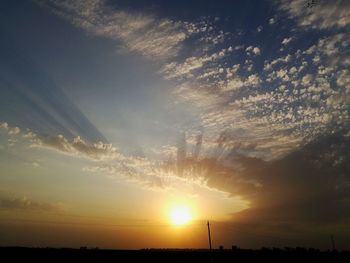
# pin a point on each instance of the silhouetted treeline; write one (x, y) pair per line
(173, 255)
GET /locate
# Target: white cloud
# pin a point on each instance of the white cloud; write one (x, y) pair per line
(14, 131)
(323, 15)
(77, 147)
(306, 80)
(259, 28)
(286, 41)
(29, 135)
(310, 50)
(343, 79)
(271, 21)
(153, 38)
(214, 38)
(282, 74)
(250, 48)
(237, 82)
(316, 59)
(252, 80)
(254, 50)
(4, 125)
(175, 70)
(293, 70)
(333, 45)
(285, 59)
(267, 66)
(192, 66)
(234, 84)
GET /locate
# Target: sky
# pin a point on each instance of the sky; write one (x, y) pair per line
(115, 113)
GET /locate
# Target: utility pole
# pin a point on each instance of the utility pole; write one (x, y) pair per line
(209, 238)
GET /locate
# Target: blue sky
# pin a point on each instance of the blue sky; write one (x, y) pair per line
(221, 99)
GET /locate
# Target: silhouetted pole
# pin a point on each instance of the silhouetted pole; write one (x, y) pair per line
(333, 244)
(209, 238)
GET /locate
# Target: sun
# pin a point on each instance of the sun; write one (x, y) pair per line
(180, 215)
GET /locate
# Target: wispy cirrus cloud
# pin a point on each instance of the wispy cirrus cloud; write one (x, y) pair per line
(142, 33)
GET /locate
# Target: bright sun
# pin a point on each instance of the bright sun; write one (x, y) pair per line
(180, 215)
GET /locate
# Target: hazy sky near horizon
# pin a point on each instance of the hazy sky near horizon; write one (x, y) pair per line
(114, 112)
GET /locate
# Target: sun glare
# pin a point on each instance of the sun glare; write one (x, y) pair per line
(180, 215)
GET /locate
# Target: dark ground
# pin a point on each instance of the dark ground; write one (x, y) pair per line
(10, 254)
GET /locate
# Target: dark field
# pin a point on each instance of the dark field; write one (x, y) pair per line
(173, 255)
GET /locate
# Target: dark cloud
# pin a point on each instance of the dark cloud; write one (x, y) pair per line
(24, 203)
(306, 192)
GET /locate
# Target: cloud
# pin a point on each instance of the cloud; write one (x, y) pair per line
(332, 45)
(301, 180)
(153, 38)
(280, 191)
(252, 80)
(294, 187)
(14, 131)
(343, 79)
(283, 194)
(306, 80)
(10, 130)
(4, 125)
(331, 51)
(77, 147)
(272, 21)
(29, 135)
(105, 159)
(24, 203)
(322, 16)
(279, 110)
(234, 84)
(175, 70)
(254, 50)
(198, 67)
(286, 41)
(285, 59)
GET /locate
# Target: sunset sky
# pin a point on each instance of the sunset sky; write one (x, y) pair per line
(129, 124)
